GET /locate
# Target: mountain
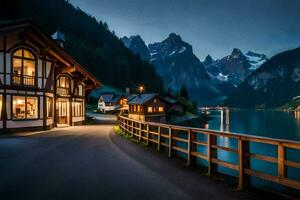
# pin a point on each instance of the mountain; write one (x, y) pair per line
(275, 83)
(89, 41)
(234, 68)
(176, 63)
(137, 45)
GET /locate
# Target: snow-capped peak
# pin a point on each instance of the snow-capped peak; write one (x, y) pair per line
(255, 60)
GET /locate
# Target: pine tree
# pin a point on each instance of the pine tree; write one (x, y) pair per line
(183, 92)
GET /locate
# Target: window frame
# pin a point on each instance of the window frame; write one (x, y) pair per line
(82, 90)
(150, 109)
(161, 109)
(58, 84)
(80, 112)
(25, 119)
(51, 107)
(1, 105)
(22, 58)
(66, 78)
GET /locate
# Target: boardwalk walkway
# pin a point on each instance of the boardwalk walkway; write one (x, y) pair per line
(91, 162)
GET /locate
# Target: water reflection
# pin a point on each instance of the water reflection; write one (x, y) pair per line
(275, 124)
(224, 115)
(297, 115)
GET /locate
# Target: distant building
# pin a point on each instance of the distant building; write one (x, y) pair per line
(109, 102)
(173, 106)
(147, 107)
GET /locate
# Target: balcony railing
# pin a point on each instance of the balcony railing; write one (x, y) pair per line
(23, 80)
(62, 91)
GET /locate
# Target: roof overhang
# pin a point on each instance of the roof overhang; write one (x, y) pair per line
(30, 31)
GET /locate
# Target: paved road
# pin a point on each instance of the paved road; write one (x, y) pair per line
(103, 117)
(91, 162)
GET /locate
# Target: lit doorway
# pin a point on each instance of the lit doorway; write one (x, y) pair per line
(62, 112)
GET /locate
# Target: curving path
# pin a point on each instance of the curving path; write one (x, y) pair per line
(91, 162)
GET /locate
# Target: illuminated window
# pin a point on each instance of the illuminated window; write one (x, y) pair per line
(160, 109)
(31, 107)
(63, 85)
(80, 90)
(23, 67)
(77, 109)
(150, 109)
(63, 82)
(155, 100)
(49, 107)
(139, 108)
(134, 108)
(25, 107)
(1, 106)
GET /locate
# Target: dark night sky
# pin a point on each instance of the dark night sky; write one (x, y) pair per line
(210, 26)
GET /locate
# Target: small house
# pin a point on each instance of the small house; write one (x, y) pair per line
(109, 102)
(147, 107)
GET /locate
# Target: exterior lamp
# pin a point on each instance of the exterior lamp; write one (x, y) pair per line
(141, 89)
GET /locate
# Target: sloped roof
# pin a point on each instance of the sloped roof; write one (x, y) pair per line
(130, 97)
(143, 98)
(170, 100)
(116, 98)
(28, 27)
(110, 97)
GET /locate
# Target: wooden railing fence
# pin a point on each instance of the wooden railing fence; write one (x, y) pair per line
(165, 135)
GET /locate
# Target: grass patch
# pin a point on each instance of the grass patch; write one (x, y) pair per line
(118, 131)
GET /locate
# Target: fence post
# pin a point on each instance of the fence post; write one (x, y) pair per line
(128, 126)
(147, 142)
(189, 148)
(158, 138)
(281, 159)
(244, 163)
(170, 142)
(212, 153)
(140, 131)
(132, 128)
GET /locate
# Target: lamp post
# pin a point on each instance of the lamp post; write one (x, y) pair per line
(141, 90)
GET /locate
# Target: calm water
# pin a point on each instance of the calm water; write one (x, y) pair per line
(275, 124)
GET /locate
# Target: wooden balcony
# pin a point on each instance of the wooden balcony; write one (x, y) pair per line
(62, 91)
(23, 80)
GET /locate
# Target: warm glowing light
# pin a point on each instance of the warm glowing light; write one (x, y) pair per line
(141, 88)
(20, 101)
(160, 109)
(150, 109)
(0, 105)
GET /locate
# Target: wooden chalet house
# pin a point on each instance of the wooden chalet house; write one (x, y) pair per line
(110, 101)
(41, 86)
(147, 107)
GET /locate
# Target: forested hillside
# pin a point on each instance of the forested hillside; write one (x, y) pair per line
(88, 40)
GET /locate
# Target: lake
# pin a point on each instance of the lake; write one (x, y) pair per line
(275, 124)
